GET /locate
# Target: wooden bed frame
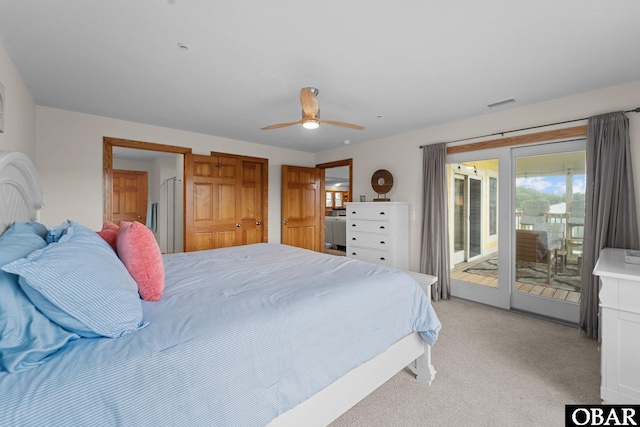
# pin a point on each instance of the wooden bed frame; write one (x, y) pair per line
(21, 200)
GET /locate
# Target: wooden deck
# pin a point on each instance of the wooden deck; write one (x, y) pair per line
(539, 289)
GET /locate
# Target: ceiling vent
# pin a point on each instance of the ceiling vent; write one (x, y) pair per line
(501, 103)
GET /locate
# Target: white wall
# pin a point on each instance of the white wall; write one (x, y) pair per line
(19, 110)
(67, 149)
(401, 156)
(69, 161)
(132, 165)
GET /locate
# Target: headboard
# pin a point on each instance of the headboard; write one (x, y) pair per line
(20, 192)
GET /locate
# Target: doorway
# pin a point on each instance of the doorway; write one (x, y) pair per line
(467, 216)
(516, 221)
(164, 165)
(549, 208)
(338, 183)
(130, 195)
(474, 228)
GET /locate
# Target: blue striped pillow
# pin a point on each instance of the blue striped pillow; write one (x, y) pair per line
(79, 283)
(27, 337)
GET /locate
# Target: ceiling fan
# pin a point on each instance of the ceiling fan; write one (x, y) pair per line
(311, 113)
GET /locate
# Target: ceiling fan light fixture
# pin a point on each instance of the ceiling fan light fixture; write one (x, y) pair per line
(310, 124)
(311, 113)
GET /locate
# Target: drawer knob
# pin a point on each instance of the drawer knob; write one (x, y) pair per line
(353, 238)
(353, 225)
(353, 213)
(353, 253)
(381, 242)
(382, 258)
(382, 227)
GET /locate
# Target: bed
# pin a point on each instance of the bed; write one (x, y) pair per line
(263, 334)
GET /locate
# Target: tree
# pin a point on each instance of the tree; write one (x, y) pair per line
(525, 194)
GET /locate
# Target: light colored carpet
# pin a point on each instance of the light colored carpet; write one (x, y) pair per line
(494, 368)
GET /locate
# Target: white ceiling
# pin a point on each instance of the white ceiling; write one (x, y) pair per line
(391, 66)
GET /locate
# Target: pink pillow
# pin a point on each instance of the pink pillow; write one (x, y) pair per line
(109, 233)
(139, 252)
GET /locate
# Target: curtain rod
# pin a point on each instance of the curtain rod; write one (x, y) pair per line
(635, 110)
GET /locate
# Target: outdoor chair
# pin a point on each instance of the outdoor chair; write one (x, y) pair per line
(532, 246)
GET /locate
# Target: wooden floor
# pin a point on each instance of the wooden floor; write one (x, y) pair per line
(539, 289)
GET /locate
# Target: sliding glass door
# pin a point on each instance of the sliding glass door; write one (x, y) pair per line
(516, 221)
(475, 226)
(467, 218)
(548, 205)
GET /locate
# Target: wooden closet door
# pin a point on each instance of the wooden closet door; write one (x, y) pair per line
(303, 200)
(213, 202)
(253, 194)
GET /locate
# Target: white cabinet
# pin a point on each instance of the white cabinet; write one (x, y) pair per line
(378, 232)
(620, 327)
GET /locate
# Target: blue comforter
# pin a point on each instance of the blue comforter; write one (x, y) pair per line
(240, 335)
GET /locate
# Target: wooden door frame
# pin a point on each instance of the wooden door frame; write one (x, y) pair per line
(335, 164)
(107, 165)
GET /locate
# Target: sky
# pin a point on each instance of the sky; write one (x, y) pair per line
(552, 184)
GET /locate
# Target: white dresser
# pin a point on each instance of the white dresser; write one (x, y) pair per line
(620, 327)
(378, 232)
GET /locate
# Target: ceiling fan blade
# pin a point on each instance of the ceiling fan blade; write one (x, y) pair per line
(347, 125)
(309, 102)
(281, 125)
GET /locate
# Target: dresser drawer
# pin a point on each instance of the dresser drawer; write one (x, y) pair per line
(370, 240)
(370, 255)
(378, 232)
(369, 213)
(380, 227)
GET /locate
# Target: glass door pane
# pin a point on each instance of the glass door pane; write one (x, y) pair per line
(459, 220)
(473, 222)
(549, 221)
(475, 218)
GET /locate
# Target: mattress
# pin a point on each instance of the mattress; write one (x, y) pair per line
(240, 335)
